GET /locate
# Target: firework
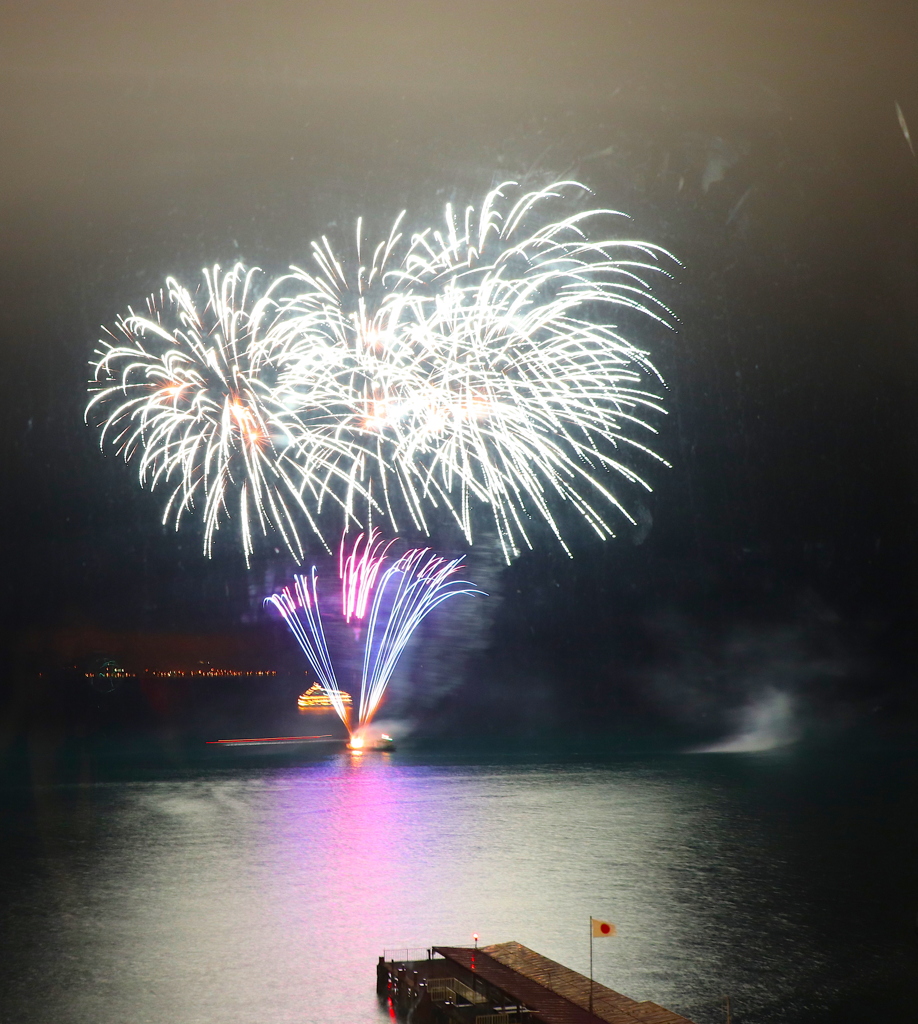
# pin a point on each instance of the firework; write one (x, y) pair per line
(407, 593)
(301, 612)
(358, 571)
(190, 389)
(400, 598)
(477, 366)
(481, 366)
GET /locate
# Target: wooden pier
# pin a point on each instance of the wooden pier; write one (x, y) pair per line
(504, 984)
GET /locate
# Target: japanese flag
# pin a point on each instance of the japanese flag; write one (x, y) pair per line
(602, 929)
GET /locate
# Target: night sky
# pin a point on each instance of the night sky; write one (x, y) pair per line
(760, 143)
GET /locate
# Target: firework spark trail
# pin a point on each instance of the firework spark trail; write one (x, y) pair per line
(409, 590)
(470, 363)
(304, 619)
(358, 571)
(423, 583)
(191, 388)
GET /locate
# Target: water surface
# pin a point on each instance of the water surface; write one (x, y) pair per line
(249, 895)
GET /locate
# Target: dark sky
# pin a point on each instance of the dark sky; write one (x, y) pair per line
(758, 142)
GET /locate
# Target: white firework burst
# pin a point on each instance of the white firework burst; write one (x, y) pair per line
(190, 389)
(480, 364)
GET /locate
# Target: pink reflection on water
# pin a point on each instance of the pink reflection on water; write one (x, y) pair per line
(340, 840)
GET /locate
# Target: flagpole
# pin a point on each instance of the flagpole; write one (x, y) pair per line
(591, 965)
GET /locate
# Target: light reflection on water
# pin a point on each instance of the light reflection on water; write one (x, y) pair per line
(266, 895)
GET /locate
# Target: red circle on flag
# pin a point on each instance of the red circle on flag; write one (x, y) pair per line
(604, 928)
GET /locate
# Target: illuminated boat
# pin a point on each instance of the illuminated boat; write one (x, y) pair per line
(384, 743)
(316, 700)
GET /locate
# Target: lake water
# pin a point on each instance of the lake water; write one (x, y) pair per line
(254, 895)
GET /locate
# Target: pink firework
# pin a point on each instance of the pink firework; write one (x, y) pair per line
(394, 599)
(358, 571)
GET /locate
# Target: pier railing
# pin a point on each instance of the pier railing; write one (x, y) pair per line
(409, 954)
(450, 988)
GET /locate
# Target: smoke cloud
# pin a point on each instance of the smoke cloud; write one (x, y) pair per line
(752, 686)
(767, 723)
